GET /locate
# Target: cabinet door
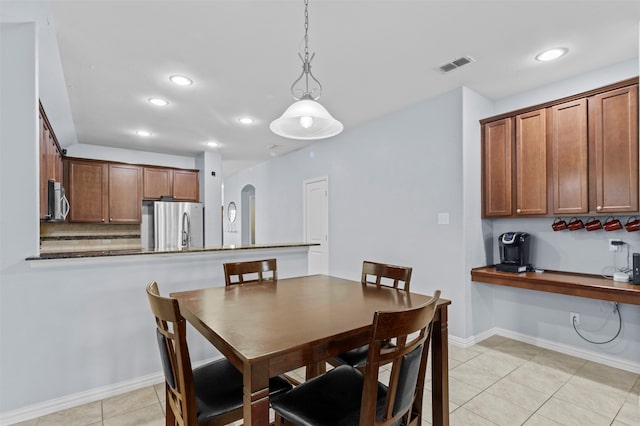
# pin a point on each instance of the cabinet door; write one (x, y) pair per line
(497, 165)
(157, 182)
(613, 143)
(44, 187)
(531, 163)
(569, 162)
(59, 175)
(87, 189)
(185, 185)
(125, 193)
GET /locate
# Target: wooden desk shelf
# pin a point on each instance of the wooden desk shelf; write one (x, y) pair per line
(572, 284)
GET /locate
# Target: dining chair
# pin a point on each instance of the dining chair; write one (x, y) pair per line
(254, 271)
(208, 395)
(380, 275)
(345, 396)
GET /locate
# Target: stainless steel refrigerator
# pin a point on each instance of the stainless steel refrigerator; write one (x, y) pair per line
(170, 225)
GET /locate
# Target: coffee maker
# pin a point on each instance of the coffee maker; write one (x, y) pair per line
(514, 252)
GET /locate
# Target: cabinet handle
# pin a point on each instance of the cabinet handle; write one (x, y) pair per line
(598, 208)
(518, 211)
(103, 219)
(110, 219)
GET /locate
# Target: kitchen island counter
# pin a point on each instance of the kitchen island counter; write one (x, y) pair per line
(135, 252)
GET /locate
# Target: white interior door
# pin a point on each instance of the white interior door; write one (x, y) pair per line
(316, 224)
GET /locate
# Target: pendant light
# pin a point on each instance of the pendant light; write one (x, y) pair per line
(306, 118)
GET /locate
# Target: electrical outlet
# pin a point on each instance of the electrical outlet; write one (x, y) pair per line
(615, 247)
(574, 318)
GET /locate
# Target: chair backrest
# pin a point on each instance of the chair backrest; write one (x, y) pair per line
(386, 275)
(174, 353)
(412, 331)
(250, 272)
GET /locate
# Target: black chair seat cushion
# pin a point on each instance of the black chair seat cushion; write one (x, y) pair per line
(332, 399)
(356, 357)
(218, 388)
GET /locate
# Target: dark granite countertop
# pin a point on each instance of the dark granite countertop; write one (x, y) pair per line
(129, 252)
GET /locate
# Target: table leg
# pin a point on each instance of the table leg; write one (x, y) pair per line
(316, 369)
(440, 368)
(256, 394)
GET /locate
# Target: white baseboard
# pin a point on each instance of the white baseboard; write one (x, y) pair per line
(470, 341)
(80, 398)
(609, 360)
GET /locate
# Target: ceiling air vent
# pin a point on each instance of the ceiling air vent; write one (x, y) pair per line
(456, 63)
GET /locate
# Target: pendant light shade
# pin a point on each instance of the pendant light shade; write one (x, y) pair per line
(306, 119)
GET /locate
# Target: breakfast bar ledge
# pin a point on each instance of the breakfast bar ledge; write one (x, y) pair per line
(140, 251)
(569, 283)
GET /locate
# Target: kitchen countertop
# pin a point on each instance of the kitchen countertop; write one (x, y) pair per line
(134, 252)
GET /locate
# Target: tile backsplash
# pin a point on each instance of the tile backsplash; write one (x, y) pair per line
(64, 237)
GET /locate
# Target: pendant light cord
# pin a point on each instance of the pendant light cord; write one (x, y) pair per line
(306, 66)
(306, 30)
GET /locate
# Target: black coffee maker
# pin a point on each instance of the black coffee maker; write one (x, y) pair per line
(514, 252)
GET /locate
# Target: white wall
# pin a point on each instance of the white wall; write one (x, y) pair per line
(52, 88)
(388, 180)
(19, 139)
(211, 195)
(478, 300)
(571, 86)
(98, 152)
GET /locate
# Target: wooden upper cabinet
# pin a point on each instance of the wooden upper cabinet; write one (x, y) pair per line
(44, 188)
(568, 145)
(125, 193)
(50, 158)
(497, 166)
(182, 185)
(102, 192)
(87, 191)
(185, 185)
(531, 163)
(613, 139)
(157, 183)
(573, 156)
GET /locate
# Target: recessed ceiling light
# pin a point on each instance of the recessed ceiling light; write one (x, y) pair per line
(551, 54)
(143, 133)
(181, 80)
(212, 144)
(246, 120)
(158, 101)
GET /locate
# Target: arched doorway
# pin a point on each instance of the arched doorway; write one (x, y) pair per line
(248, 213)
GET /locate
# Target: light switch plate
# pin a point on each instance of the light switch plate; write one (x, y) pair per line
(443, 218)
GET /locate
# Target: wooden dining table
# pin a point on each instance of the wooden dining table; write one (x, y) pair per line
(270, 328)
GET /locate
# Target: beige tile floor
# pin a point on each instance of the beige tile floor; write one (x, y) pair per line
(496, 382)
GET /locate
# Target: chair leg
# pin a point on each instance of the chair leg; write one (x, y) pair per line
(170, 416)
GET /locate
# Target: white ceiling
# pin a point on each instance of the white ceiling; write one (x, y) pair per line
(372, 58)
